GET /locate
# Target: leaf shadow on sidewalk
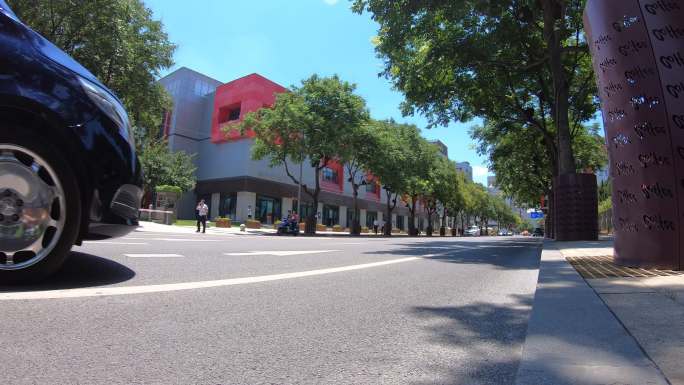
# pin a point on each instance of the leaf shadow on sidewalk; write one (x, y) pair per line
(80, 270)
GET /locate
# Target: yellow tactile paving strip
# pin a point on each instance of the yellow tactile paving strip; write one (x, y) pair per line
(603, 267)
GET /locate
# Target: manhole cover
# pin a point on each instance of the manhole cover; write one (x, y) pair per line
(603, 267)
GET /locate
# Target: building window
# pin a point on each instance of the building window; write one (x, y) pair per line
(331, 215)
(229, 113)
(331, 175)
(227, 205)
(267, 209)
(307, 209)
(234, 114)
(371, 216)
(350, 217)
(400, 222)
(372, 188)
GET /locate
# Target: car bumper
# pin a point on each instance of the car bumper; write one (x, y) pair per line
(118, 218)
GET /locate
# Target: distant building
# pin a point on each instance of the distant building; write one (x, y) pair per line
(238, 187)
(466, 169)
(443, 149)
(602, 175)
(491, 181)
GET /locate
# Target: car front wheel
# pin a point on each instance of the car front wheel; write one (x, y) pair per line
(40, 207)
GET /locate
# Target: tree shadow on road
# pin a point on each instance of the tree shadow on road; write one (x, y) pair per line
(80, 270)
(491, 334)
(516, 255)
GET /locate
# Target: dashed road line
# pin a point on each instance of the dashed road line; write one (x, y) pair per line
(154, 255)
(175, 239)
(281, 253)
(114, 243)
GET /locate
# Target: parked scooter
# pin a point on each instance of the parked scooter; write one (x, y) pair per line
(288, 226)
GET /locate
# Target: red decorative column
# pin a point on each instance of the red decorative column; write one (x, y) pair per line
(637, 51)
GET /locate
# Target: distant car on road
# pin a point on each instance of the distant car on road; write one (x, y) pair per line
(68, 167)
(538, 232)
(473, 231)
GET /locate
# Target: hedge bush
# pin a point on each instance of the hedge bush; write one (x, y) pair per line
(168, 189)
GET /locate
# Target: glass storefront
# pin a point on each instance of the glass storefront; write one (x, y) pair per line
(267, 209)
(227, 205)
(307, 209)
(371, 216)
(331, 215)
(400, 222)
(350, 217)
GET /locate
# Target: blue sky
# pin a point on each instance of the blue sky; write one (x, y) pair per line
(287, 41)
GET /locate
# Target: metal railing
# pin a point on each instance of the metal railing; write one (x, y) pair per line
(158, 216)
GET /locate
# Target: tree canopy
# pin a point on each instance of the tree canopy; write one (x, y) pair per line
(313, 123)
(117, 40)
(522, 62)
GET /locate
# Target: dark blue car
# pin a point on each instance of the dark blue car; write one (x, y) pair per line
(68, 168)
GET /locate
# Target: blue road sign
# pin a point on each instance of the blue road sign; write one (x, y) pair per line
(536, 215)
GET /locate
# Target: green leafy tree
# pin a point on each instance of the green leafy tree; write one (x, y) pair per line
(422, 157)
(392, 161)
(312, 123)
(523, 165)
(161, 167)
(523, 61)
(117, 40)
(516, 64)
(358, 151)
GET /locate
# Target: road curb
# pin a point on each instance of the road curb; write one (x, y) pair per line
(573, 338)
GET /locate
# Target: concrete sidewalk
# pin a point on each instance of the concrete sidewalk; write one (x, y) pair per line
(145, 226)
(153, 227)
(573, 337)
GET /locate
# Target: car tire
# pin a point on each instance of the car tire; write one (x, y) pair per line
(30, 148)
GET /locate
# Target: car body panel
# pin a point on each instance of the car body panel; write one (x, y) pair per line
(41, 82)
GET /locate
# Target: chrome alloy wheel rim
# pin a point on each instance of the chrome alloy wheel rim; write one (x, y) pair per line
(32, 208)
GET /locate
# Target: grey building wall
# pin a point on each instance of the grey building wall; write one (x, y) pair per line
(190, 129)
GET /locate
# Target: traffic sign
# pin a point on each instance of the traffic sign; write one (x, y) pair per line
(536, 215)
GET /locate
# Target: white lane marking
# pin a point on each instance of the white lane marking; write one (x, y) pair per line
(153, 255)
(281, 253)
(126, 290)
(351, 243)
(176, 239)
(114, 243)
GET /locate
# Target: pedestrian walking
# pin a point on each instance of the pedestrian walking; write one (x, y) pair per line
(202, 211)
(375, 226)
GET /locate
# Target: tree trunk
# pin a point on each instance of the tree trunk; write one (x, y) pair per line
(554, 10)
(355, 226)
(412, 218)
(442, 227)
(388, 220)
(430, 228)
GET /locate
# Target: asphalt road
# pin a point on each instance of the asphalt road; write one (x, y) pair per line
(246, 309)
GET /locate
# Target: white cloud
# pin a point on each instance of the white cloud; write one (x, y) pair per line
(480, 171)
(331, 2)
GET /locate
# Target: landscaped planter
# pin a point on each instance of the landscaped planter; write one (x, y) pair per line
(337, 229)
(396, 231)
(223, 222)
(364, 230)
(320, 227)
(251, 224)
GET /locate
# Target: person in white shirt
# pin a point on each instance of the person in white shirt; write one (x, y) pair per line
(202, 211)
